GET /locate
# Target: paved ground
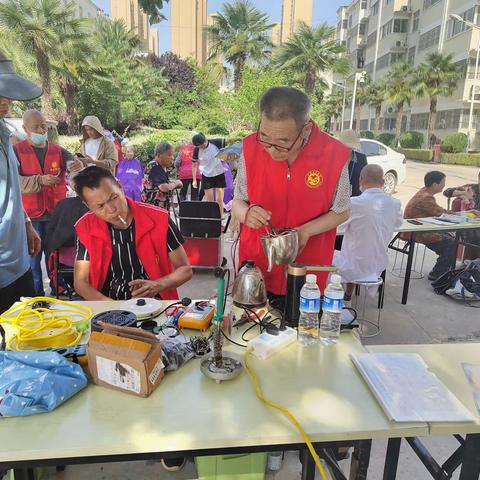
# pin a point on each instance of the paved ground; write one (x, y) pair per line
(427, 318)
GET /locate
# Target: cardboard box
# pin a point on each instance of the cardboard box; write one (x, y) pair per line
(126, 359)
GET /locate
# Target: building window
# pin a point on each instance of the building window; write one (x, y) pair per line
(363, 5)
(397, 58)
(362, 28)
(419, 121)
(455, 27)
(369, 68)
(387, 2)
(375, 9)
(415, 21)
(429, 39)
(371, 39)
(382, 61)
(80, 12)
(363, 125)
(411, 55)
(350, 21)
(448, 119)
(387, 29)
(429, 3)
(400, 25)
(345, 23)
(475, 119)
(388, 124)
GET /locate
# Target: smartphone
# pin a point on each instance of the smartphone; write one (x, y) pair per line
(414, 222)
(80, 155)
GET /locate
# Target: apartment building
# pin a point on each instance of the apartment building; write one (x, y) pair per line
(137, 22)
(292, 12)
(380, 33)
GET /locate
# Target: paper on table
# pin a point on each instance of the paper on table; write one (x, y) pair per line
(434, 221)
(473, 374)
(407, 390)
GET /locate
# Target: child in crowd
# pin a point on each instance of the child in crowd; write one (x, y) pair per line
(130, 174)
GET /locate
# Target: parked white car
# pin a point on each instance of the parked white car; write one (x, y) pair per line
(392, 162)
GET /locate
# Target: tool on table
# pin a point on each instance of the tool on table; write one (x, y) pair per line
(52, 323)
(220, 367)
(198, 316)
(143, 308)
(414, 222)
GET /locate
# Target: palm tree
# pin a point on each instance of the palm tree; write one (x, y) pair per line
(334, 108)
(399, 92)
(239, 33)
(360, 101)
(376, 93)
(437, 77)
(115, 40)
(311, 51)
(40, 27)
(152, 9)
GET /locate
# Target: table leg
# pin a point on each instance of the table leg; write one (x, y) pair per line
(360, 460)
(24, 474)
(308, 465)
(408, 270)
(471, 458)
(391, 459)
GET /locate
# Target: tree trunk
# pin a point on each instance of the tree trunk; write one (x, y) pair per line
(70, 107)
(310, 81)
(378, 113)
(358, 115)
(237, 73)
(431, 119)
(398, 122)
(43, 67)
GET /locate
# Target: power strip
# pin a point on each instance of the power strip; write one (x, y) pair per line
(266, 344)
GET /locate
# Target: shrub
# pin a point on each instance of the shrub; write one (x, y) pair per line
(72, 144)
(411, 140)
(387, 139)
(472, 159)
(237, 136)
(417, 154)
(367, 134)
(454, 143)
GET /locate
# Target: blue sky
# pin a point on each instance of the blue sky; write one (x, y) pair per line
(323, 11)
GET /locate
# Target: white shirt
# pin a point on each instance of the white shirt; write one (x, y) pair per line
(91, 147)
(210, 165)
(374, 217)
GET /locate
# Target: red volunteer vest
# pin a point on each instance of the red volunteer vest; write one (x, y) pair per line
(36, 204)
(151, 227)
(185, 170)
(295, 195)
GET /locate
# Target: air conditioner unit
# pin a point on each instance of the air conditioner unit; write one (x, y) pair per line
(405, 8)
(391, 110)
(398, 43)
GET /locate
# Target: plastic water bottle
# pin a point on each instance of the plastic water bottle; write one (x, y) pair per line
(332, 311)
(309, 311)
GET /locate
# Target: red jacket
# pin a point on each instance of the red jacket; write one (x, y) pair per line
(295, 195)
(151, 227)
(37, 204)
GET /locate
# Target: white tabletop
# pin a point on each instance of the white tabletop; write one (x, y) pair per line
(319, 385)
(445, 360)
(430, 227)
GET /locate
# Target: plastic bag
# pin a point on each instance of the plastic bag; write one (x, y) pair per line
(36, 382)
(175, 353)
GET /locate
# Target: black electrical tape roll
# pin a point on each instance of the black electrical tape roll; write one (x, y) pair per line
(121, 318)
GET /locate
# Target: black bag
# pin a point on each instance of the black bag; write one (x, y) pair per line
(469, 277)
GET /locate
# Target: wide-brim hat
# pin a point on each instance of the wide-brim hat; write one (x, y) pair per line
(15, 87)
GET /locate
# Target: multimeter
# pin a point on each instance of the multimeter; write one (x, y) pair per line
(198, 316)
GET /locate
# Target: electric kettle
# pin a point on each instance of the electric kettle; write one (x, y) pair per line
(249, 287)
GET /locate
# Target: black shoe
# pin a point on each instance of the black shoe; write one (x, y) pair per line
(432, 276)
(173, 464)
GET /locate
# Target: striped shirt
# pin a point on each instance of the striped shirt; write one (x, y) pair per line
(125, 265)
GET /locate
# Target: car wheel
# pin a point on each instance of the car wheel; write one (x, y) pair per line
(390, 183)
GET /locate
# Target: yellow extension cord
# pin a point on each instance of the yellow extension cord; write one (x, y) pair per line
(40, 328)
(285, 411)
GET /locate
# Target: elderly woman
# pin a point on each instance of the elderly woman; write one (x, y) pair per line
(157, 186)
(95, 148)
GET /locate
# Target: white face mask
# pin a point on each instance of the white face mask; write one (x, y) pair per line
(38, 138)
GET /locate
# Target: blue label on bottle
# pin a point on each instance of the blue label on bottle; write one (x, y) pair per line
(333, 303)
(310, 304)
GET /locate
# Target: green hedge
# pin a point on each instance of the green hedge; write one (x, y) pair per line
(367, 134)
(417, 154)
(387, 139)
(411, 139)
(454, 143)
(471, 159)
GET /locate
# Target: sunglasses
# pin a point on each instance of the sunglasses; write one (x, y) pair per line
(279, 148)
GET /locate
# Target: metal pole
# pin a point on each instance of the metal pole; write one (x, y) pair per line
(353, 102)
(343, 105)
(472, 97)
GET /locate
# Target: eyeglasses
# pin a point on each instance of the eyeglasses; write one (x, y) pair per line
(279, 148)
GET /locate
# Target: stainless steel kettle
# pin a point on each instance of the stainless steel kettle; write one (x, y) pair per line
(249, 287)
(280, 247)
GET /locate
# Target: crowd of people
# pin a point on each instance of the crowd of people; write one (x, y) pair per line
(117, 226)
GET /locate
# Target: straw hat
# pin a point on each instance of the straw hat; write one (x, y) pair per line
(13, 86)
(350, 139)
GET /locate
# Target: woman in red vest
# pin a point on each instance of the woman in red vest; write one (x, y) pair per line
(125, 248)
(292, 175)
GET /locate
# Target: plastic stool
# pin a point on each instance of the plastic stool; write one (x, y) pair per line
(364, 322)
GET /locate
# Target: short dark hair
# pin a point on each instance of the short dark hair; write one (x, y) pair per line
(199, 139)
(90, 177)
(433, 177)
(280, 103)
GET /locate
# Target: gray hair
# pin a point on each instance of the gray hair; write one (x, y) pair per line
(281, 103)
(161, 148)
(372, 174)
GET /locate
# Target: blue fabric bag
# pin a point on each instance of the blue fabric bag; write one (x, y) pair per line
(36, 382)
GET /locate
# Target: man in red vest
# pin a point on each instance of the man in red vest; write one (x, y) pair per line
(42, 169)
(292, 175)
(125, 248)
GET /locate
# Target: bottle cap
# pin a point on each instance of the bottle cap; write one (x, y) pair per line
(311, 278)
(335, 278)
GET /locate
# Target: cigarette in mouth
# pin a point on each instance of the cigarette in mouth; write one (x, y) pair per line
(122, 220)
